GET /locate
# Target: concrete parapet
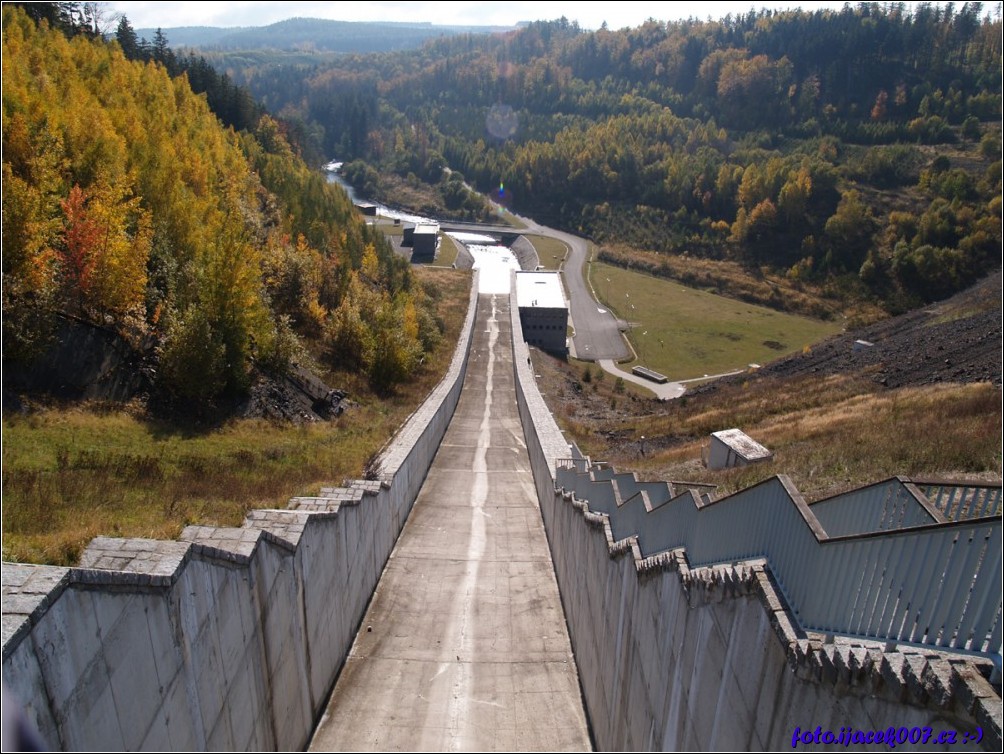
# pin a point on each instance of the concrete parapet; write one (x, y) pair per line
(706, 658)
(230, 638)
(674, 657)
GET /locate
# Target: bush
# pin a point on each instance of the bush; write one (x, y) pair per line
(193, 358)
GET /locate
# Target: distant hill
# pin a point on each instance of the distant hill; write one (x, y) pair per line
(317, 34)
(858, 149)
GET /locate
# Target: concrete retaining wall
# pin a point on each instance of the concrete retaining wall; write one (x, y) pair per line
(676, 658)
(229, 639)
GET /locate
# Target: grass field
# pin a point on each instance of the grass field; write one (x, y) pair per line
(447, 251)
(686, 333)
(73, 472)
(830, 435)
(550, 251)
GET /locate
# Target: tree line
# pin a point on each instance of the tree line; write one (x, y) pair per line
(802, 140)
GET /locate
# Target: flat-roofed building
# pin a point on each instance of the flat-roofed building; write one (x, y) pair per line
(733, 447)
(543, 311)
(425, 241)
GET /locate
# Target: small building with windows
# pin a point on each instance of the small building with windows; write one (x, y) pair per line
(543, 310)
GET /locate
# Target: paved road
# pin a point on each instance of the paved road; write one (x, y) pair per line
(666, 390)
(597, 331)
(464, 646)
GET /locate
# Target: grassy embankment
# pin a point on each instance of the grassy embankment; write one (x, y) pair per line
(550, 251)
(827, 433)
(71, 473)
(447, 251)
(687, 333)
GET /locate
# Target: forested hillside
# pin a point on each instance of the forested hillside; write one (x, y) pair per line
(128, 204)
(860, 145)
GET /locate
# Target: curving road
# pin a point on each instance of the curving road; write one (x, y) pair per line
(598, 333)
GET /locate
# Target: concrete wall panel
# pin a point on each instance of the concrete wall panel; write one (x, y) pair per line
(22, 667)
(285, 642)
(673, 658)
(231, 640)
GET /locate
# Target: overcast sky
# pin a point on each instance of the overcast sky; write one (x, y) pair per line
(143, 15)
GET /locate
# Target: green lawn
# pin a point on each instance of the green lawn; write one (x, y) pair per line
(686, 333)
(447, 251)
(550, 251)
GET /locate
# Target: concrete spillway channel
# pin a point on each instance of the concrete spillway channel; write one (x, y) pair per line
(464, 645)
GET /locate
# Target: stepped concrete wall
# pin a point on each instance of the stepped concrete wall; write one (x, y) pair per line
(228, 639)
(673, 658)
(232, 637)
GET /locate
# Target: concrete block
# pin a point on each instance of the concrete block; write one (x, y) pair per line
(988, 714)
(132, 669)
(969, 687)
(248, 710)
(913, 672)
(937, 680)
(22, 678)
(893, 675)
(675, 715)
(773, 681)
(173, 728)
(220, 737)
(67, 640)
(90, 720)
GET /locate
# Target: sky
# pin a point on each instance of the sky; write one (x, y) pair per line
(145, 15)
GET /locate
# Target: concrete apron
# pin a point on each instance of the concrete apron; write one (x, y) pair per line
(464, 646)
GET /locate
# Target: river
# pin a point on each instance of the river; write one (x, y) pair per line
(331, 170)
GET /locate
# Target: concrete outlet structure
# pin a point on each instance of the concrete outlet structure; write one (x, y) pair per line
(543, 311)
(531, 593)
(464, 646)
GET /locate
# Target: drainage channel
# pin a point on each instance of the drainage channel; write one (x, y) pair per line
(464, 645)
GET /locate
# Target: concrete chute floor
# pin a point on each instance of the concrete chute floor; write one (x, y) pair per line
(464, 646)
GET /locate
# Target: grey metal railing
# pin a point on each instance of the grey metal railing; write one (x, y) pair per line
(957, 502)
(880, 562)
(892, 504)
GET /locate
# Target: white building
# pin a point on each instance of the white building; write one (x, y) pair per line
(543, 310)
(733, 447)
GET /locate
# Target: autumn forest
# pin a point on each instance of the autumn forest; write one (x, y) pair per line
(176, 198)
(861, 146)
(128, 204)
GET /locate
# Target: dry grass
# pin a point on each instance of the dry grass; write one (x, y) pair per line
(71, 473)
(847, 438)
(827, 434)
